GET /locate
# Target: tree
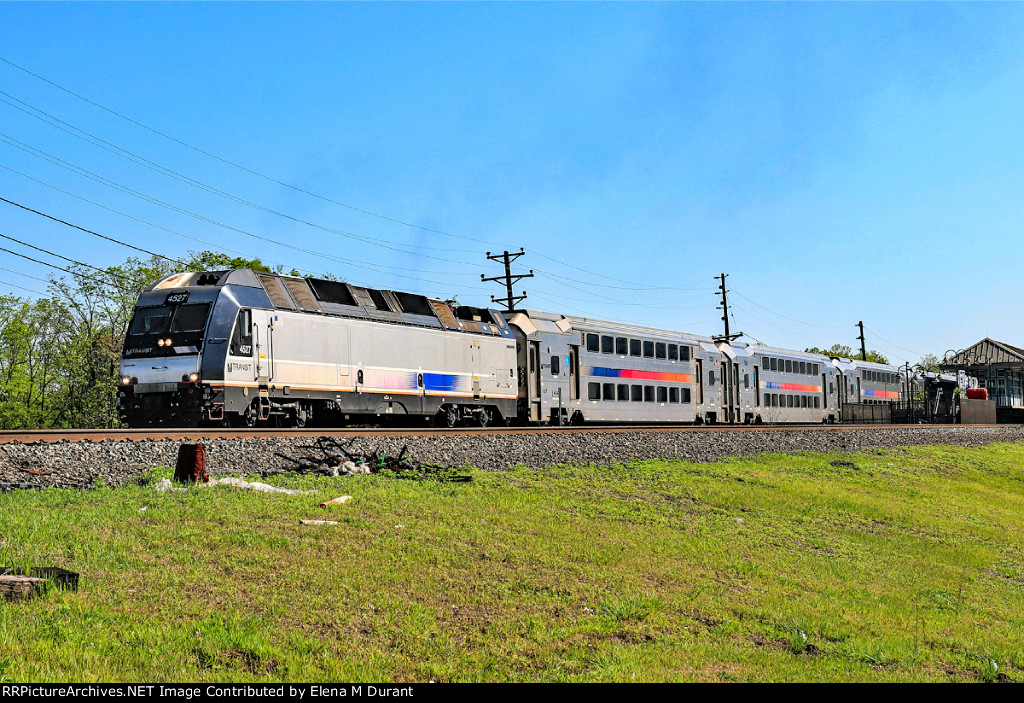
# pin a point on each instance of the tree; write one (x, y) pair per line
(929, 362)
(845, 352)
(218, 261)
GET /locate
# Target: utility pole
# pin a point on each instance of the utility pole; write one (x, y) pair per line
(724, 307)
(508, 279)
(863, 351)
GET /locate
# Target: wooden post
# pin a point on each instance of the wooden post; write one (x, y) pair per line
(20, 587)
(191, 466)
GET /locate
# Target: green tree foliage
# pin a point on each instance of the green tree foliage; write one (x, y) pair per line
(929, 362)
(845, 352)
(216, 261)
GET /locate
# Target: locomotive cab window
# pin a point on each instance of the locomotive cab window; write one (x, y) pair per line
(241, 338)
(151, 320)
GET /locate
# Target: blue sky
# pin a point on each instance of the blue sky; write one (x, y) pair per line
(841, 162)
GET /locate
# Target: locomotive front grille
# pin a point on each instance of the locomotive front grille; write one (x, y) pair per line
(155, 387)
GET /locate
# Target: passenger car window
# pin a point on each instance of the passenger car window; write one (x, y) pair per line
(634, 347)
(592, 343)
(607, 345)
(555, 367)
(673, 352)
(621, 346)
(659, 350)
(649, 350)
(594, 391)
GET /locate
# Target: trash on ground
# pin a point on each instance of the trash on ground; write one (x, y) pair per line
(317, 522)
(332, 501)
(256, 486)
(330, 457)
(164, 485)
(36, 473)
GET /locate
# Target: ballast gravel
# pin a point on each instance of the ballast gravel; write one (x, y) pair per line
(116, 463)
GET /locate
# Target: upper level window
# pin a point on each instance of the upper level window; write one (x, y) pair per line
(673, 352)
(649, 350)
(621, 346)
(607, 345)
(659, 350)
(634, 347)
(593, 344)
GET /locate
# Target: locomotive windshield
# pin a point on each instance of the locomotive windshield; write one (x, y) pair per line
(182, 325)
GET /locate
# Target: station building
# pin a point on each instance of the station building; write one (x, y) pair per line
(999, 368)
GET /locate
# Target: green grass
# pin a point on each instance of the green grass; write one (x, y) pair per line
(907, 566)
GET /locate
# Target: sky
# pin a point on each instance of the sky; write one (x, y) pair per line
(840, 162)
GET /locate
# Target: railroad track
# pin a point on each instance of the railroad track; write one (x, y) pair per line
(211, 433)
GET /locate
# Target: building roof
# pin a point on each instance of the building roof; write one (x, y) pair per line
(987, 352)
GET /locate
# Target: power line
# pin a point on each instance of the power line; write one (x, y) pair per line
(54, 266)
(288, 185)
(174, 208)
(792, 319)
(236, 165)
(89, 231)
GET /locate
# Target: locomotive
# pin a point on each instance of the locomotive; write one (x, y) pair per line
(253, 348)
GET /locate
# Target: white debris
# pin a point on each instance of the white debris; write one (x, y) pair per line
(164, 485)
(351, 468)
(342, 499)
(256, 486)
(142, 509)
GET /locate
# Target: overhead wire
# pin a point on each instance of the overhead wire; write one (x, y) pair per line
(89, 231)
(792, 319)
(174, 208)
(303, 190)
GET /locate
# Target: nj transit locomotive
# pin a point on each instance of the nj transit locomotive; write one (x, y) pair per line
(248, 348)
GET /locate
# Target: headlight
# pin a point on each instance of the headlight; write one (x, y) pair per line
(193, 377)
(125, 381)
(159, 342)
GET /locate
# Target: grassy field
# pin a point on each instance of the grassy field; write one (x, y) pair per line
(900, 565)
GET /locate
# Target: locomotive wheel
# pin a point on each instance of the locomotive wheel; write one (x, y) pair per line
(447, 416)
(483, 418)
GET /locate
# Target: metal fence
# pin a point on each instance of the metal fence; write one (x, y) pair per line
(900, 413)
(865, 414)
